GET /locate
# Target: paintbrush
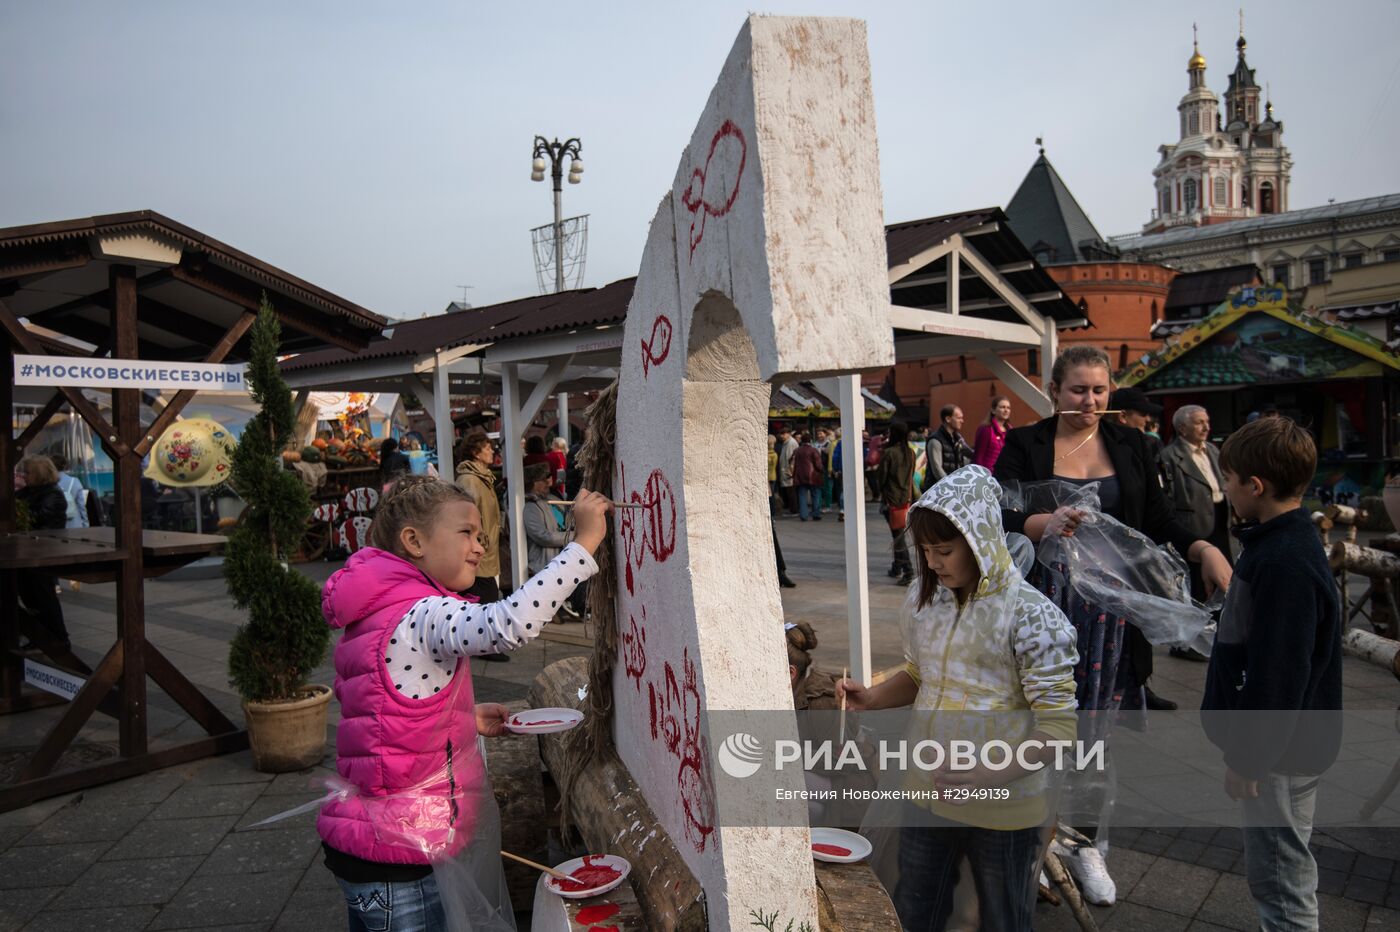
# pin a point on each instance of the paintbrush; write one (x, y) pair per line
(842, 736)
(558, 875)
(563, 504)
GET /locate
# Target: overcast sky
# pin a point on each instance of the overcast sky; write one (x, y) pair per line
(381, 150)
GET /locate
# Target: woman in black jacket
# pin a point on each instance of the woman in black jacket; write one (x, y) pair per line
(1078, 446)
(48, 511)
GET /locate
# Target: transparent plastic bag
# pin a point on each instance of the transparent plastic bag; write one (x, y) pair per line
(1115, 567)
(453, 820)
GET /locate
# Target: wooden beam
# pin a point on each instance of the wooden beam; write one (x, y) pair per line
(22, 794)
(938, 278)
(940, 323)
(173, 320)
(7, 500)
(45, 415)
(96, 299)
(1012, 378)
(185, 693)
(131, 597)
(919, 260)
(543, 388)
(25, 341)
(182, 398)
(290, 311)
(90, 331)
(79, 711)
(1004, 289)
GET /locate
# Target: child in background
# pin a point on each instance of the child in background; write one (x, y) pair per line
(407, 738)
(977, 638)
(1276, 669)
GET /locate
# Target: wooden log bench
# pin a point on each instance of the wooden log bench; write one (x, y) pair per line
(613, 818)
(515, 768)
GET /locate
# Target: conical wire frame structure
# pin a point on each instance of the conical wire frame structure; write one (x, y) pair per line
(575, 252)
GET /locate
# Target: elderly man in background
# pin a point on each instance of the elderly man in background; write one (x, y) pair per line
(1195, 487)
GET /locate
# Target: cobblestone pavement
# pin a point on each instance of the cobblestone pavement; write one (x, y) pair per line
(167, 850)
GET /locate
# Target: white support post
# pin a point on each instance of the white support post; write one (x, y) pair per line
(1012, 378)
(853, 490)
(954, 283)
(442, 418)
(1049, 349)
(562, 413)
(512, 429)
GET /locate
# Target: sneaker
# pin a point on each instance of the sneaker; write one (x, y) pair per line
(905, 580)
(1085, 864)
(496, 658)
(786, 582)
(1188, 653)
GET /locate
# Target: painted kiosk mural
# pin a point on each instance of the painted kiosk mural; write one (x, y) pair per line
(1258, 348)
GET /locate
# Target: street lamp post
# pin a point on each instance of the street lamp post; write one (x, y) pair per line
(556, 151)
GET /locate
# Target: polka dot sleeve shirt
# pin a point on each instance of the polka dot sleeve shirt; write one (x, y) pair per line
(422, 651)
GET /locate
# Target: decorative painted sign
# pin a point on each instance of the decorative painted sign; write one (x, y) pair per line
(1254, 336)
(192, 452)
(1261, 348)
(68, 372)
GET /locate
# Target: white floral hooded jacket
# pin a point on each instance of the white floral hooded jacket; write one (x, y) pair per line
(1008, 647)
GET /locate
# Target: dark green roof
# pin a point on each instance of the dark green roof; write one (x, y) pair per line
(1046, 217)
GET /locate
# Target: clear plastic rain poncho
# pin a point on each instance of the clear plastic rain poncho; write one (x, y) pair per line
(433, 818)
(1117, 568)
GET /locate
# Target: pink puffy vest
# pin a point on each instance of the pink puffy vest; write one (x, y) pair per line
(414, 762)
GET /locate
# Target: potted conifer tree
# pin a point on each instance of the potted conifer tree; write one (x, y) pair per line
(285, 638)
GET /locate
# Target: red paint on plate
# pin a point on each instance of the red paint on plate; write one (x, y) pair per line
(835, 851)
(590, 915)
(589, 877)
(550, 721)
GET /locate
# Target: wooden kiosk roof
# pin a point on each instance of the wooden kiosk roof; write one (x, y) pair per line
(130, 286)
(191, 287)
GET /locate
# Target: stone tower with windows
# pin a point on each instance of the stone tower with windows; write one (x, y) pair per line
(1225, 166)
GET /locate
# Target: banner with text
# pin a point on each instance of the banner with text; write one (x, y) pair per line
(59, 371)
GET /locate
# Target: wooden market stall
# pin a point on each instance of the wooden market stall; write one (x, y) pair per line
(1260, 348)
(134, 286)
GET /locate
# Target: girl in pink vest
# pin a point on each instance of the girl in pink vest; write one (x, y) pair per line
(407, 743)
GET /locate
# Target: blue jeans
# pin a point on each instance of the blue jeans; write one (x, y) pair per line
(808, 501)
(1001, 864)
(1280, 869)
(403, 906)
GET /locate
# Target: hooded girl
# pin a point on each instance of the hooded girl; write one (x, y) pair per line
(987, 657)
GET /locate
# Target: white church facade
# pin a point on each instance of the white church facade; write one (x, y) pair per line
(1227, 164)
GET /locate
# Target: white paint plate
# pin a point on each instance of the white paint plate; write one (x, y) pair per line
(858, 845)
(543, 721)
(596, 860)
